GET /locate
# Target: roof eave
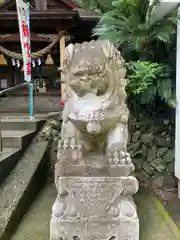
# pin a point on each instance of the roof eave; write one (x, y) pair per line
(41, 15)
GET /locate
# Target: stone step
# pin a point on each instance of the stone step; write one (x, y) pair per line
(16, 139)
(8, 159)
(155, 223)
(20, 123)
(21, 186)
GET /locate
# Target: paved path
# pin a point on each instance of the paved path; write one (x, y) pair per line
(155, 223)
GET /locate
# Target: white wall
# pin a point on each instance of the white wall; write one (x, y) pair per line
(165, 7)
(177, 140)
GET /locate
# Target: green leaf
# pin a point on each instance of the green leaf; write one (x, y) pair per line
(163, 37)
(164, 88)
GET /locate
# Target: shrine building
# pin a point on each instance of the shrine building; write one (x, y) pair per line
(54, 24)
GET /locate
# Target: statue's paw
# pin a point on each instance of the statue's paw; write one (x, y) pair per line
(114, 157)
(54, 230)
(119, 157)
(125, 158)
(70, 147)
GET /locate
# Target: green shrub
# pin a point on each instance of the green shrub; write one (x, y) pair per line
(147, 80)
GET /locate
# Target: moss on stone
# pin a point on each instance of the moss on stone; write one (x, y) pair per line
(155, 222)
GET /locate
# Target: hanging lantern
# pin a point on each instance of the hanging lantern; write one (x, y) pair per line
(3, 60)
(49, 60)
(13, 62)
(39, 61)
(18, 64)
(33, 63)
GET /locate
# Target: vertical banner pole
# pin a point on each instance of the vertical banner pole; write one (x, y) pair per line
(30, 84)
(23, 10)
(31, 100)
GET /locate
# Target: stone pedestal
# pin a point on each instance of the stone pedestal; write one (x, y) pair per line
(94, 201)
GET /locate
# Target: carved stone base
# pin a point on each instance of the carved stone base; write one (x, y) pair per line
(95, 208)
(124, 229)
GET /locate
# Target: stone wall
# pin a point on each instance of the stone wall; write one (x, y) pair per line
(151, 146)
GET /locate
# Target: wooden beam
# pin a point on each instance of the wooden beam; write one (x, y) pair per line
(41, 15)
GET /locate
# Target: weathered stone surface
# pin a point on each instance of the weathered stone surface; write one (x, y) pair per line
(147, 139)
(156, 145)
(154, 128)
(158, 180)
(92, 175)
(151, 154)
(136, 136)
(129, 139)
(138, 162)
(163, 179)
(138, 154)
(159, 164)
(163, 141)
(170, 168)
(158, 149)
(134, 147)
(148, 168)
(161, 151)
(144, 151)
(169, 156)
(169, 180)
(142, 176)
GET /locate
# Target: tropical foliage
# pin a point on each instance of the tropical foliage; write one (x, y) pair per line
(98, 6)
(128, 24)
(144, 44)
(145, 81)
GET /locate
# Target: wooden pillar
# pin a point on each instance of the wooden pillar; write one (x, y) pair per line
(62, 42)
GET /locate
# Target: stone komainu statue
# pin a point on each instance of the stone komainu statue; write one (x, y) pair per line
(93, 170)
